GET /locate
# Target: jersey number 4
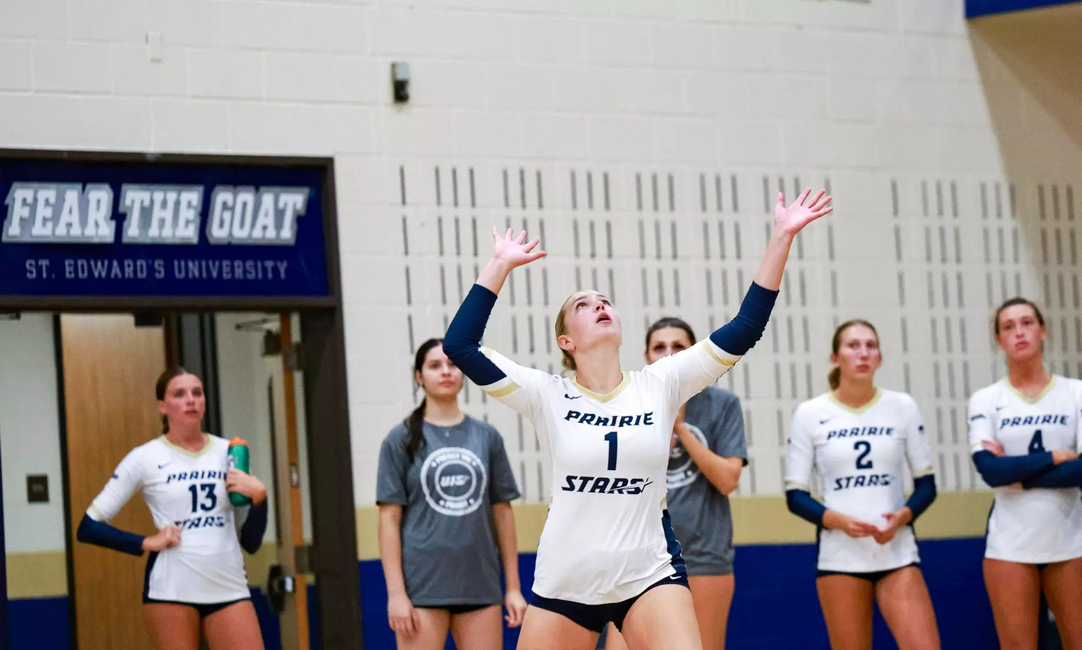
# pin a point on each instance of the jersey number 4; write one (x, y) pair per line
(1036, 445)
(209, 498)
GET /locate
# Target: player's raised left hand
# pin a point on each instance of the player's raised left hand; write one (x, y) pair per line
(792, 219)
(246, 484)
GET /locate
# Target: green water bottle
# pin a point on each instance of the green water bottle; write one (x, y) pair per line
(238, 458)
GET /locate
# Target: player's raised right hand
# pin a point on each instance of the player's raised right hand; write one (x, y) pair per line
(515, 252)
(167, 537)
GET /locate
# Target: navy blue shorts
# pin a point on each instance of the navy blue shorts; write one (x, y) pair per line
(203, 609)
(595, 617)
(457, 609)
(871, 576)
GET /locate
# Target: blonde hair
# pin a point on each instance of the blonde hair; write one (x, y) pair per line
(566, 360)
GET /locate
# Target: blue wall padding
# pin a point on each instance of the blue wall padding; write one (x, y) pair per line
(775, 606)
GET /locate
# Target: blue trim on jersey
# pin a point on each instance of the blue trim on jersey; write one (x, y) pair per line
(802, 505)
(675, 551)
(251, 533)
(1064, 475)
(99, 533)
(151, 559)
(999, 471)
(741, 333)
(924, 494)
(462, 343)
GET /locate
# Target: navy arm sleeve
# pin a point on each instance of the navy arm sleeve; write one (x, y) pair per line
(462, 343)
(741, 333)
(802, 504)
(251, 533)
(1064, 475)
(999, 471)
(102, 534)
(923, 495)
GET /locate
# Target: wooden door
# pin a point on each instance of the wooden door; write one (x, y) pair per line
(110, 368)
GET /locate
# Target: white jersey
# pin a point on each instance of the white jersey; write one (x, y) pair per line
(859, 454)
(607, 537)
(1039, 525)
(186, 489)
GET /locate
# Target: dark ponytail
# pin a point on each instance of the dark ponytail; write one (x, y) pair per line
(835, 376)
(416, 421)
(162, 384)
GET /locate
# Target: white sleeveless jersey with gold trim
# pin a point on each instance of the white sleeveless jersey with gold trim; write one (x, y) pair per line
(188, 490)
(607, 536)
(1040, 525)
(860, 456)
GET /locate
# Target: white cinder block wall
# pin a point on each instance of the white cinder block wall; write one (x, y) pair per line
(643, 138)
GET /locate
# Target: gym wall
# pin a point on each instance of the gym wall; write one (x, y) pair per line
(644, 141)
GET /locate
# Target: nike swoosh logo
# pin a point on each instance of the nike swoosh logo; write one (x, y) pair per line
(674, 577)
(572, 397)
(1000, 408)
(162, 465)
(825, 421)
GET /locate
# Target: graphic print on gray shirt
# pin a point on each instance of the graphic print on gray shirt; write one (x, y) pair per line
(701, 517)
(449, 551)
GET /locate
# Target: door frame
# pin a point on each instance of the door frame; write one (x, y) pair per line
(334, 551)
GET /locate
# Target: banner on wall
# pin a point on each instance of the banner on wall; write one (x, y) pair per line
(79, 228)
(978, 8)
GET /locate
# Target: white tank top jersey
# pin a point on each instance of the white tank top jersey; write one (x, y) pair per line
(186, 489)
(860, 456)
(1043, 524)
(606, 538)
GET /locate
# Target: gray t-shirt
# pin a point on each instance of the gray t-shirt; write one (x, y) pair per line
(700, 513)
(449, 551)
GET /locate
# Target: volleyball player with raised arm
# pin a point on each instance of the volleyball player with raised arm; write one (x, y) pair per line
(859, 437)
(707, 457)
(195, 579)
(607, 551)
(1025, 432)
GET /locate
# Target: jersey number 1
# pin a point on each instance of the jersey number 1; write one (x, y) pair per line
(208, 496)
(611, 437)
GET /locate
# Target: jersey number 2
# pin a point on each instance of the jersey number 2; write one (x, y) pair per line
(209, 497)
(611, 437)
(1036, 445)
(866, 448)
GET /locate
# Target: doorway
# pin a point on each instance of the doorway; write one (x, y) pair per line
(252, 372)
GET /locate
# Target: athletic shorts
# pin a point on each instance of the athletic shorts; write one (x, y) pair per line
(203, 609)
(457, 609)
(871, 576)
(595, 617)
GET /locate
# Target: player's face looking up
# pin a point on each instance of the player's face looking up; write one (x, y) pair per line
(857, 356)
(588, 320)
(1020, 331)
(440, 378)
(183, 403)
(665, 342)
